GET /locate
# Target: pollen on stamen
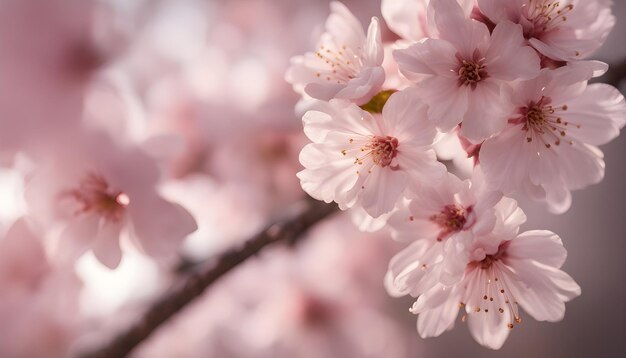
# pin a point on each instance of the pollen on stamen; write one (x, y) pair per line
(122, 199)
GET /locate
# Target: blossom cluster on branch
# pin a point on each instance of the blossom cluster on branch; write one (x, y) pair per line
(153, 200)
(505, 80)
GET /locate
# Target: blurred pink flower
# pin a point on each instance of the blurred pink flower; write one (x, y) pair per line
(466, 68)
(562, 30)
(38, 301)
(97, 189)
(549, 147)
(309, 301)
(360, 159)
(348, 63)
(51, 64)
(508, 272)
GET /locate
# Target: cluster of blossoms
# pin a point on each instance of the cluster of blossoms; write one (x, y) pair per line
(136, 136)
(508, 80)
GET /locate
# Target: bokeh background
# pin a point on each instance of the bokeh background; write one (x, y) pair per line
(211, 73)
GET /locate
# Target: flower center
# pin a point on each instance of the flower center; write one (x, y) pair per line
(543, 16)
(496, 296)
(342, 63)
(471, 71)
(94, 195)
(451, 219)
(543, 122)
(383, 150)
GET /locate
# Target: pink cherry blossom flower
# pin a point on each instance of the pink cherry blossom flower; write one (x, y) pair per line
(364, 160)
(52, 64)
(549, 147)
(464, 74)
(96, 190)
(562, 30)
(38, 300)
(347, 64)
(503, 274)
(410, 19)
(441, 222)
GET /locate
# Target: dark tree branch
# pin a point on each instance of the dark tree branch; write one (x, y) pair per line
(196, 283)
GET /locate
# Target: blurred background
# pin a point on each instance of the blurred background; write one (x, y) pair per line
(199, 85)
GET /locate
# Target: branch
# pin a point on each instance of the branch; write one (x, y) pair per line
(195, 284)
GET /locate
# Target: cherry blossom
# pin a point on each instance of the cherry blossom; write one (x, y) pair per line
(347, 64)
(38, 299)
(360, 159)
(101, 192)
(503, 275)
(410, 19)
(562, 30)
(549, 147)
(441, 223)
(466, 68)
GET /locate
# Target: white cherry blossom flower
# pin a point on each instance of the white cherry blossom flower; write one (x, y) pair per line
(441, 223)
(503, 275)
(464, 74)
(347, 63)
(369, 161)
(99, 193)
(562, 30)
(549, 147)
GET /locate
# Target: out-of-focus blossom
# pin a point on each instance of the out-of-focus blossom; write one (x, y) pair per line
(441, 222)
(504, 273)
(264, 160)
(410, 19)
(466, 68)
(51, 64)
(311, 301)
(365, 160)
(562, 30)
(549, 147)
(226, 214)
(38, 300)
(100, 192)
(347, 64)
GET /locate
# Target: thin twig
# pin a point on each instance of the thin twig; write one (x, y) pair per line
(196, 283)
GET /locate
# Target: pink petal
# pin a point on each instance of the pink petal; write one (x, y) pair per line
(159, 226)
(600, 112)
(374, 50)
(382, 190)
(327, 172)
(466, 35)
(546, 290)
(508, 57)
(438, 309)
(541, 246)
(77, 237)
(106, 246)
(362, 88)
(481, 121)
(504, 159)
(430, 57)
(406, 118)
(447, 102)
